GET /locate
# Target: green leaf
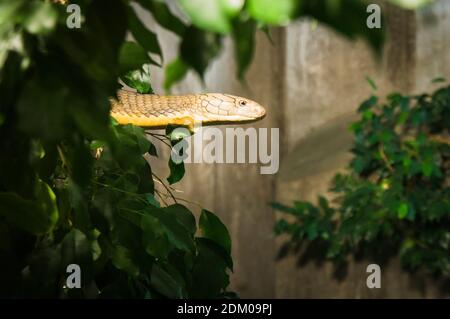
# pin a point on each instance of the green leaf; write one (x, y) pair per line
(47, 201)
(372, 83)
(183, 215)
(177, 233)
(176, 171)
(175, 71)
(80, 214)
(152, 200)
(133, 57)
(410, 4)
(427, 168)
(145, 37)
(368, 104)
(41, 18)
(164, 16)
(139, 80)
(138, 134)
(438, 80)
(154, 238)
(209, 275)
(244, 39)
(9, 11)
(213, 229)
(176, 133)
(167, 283)
(198, 48)
(272, 12)
(122, 259)
(26, 214)
(232, 7)
(209, 15)
(402, 210)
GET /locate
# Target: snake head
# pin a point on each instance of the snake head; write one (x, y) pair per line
(231, 108)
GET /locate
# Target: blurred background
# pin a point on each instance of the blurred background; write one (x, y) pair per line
(311, 80)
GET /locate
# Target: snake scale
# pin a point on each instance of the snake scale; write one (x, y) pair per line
(158, 111)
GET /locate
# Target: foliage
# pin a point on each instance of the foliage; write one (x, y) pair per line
(74, 186)
(395, 199)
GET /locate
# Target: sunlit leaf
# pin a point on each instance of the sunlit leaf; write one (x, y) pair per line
(41, 18)
(207, 14)
(139, 80)
(272, 12)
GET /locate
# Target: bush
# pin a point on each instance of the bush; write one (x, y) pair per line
(395, 198)
(74, 186)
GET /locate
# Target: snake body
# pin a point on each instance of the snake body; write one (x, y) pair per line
(158, 111)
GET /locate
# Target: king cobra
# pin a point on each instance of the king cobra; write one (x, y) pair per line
(157, 111)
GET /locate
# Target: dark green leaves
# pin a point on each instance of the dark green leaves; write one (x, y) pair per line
(155, 239)
(164, 16)
(75, 186)
(35, 216)
(213, 229)
(175, 72)
(132, 57)
(176, 171)
(145, 37)
(167, 282)
(209, 273)
(176, 168)
(244, 39)
(198, 48)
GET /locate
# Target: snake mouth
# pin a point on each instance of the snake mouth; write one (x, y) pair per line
(245, 118)
(254, 114)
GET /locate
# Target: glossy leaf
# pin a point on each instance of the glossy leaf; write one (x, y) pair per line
(145, 37)
(213, 229)
(175, 71)
(198, 48)
(209, 15)
(133, 57)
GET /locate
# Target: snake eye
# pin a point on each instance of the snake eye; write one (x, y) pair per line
(242, 103)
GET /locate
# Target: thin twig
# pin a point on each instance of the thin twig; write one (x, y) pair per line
(165, 186)
(385, 159)
(171, 188)
(160, 196)
(160, 139)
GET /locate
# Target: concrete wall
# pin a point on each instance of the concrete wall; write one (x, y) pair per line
(311, 80)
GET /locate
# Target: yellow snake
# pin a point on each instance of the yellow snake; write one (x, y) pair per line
(158, 111)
